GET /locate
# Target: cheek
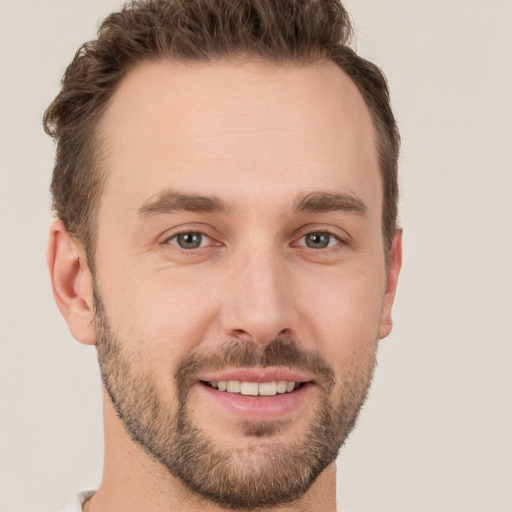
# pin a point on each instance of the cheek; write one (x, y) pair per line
(344, 315)
(160, 316)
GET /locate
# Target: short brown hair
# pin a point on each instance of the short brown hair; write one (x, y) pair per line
(278, 31)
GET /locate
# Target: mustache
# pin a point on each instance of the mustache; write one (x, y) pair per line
(284, 352)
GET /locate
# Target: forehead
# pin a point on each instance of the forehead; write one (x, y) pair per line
(239, 129)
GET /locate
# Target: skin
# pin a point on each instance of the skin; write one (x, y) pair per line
(261, 139)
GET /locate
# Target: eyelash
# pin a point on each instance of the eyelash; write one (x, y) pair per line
(188, 232)
(327, 232)
(321, 232)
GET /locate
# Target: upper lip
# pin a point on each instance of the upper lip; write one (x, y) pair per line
(256, 375)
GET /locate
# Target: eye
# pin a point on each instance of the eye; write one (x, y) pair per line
(319, 240)
(189, 240)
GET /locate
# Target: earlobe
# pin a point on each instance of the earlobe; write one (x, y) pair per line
(71, 282)
(395, 264)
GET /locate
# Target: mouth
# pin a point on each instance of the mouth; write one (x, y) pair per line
(248, 388)
(257, 395)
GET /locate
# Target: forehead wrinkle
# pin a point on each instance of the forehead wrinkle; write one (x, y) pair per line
(323, 202)
(169, 201)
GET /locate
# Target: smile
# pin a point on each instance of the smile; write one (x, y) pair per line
(255, 388)
(258, 395)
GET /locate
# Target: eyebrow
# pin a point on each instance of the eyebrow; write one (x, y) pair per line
(171, 201)
(320, 202)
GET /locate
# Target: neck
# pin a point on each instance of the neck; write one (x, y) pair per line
(134, 481)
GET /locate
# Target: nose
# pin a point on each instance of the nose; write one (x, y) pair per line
(258, 303)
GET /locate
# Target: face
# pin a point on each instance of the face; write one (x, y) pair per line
(240, 280)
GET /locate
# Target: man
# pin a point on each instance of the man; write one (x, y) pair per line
(226, 193)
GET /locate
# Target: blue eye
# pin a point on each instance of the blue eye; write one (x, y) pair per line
(190, 240)
(319, 240)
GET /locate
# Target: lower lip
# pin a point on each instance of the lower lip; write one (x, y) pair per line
(259, 408)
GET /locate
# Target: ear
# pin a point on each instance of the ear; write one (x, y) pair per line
(71, 282)
(395, 264)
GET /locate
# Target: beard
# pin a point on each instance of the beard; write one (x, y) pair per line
(266, 471)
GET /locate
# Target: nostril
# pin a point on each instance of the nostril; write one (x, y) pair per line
(261, 337)
(241, 334)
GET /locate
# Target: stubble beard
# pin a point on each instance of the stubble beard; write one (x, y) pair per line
(266, 472)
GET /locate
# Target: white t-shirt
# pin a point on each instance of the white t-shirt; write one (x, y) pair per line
(80, 498)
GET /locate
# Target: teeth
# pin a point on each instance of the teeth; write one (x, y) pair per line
(234, 386)
(254, 388)
(281, 386)
(268, 388)
(249, 388)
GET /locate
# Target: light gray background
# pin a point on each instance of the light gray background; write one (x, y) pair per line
(436, 433)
